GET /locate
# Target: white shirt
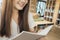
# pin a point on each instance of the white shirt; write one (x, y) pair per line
(14, 26)
(15, 29)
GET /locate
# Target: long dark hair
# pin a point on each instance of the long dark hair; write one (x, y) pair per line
(6, 18)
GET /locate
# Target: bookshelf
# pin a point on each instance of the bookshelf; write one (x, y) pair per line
(49, 12)
(58, 18)
(51, 15)
(52, 12)
(33, 4)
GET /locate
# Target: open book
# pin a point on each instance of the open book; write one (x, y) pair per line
(32, 36)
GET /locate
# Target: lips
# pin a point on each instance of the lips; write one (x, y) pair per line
(21, 4)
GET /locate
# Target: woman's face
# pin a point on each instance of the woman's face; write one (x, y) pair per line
(19, 4)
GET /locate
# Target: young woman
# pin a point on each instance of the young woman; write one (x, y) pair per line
(15, 18)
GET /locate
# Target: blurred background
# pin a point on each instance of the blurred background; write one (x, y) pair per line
(45, 13)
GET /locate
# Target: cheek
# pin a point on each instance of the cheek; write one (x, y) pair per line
(15, 2)
(15, 5)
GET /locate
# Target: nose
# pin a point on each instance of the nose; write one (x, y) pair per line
(23, 1)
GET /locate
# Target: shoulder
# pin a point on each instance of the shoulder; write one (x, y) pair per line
(4, 38)
(30, 14)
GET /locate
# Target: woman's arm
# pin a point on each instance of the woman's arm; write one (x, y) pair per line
(32, 24)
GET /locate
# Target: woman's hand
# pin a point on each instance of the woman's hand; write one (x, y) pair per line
(31, 29)
(34, 29)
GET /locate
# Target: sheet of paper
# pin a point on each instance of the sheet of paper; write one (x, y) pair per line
(45, 31)
(32, 36)
(27, 36)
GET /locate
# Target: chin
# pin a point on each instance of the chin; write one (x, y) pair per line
(21, 8)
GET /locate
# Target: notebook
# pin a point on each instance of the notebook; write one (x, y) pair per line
(32, 36)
